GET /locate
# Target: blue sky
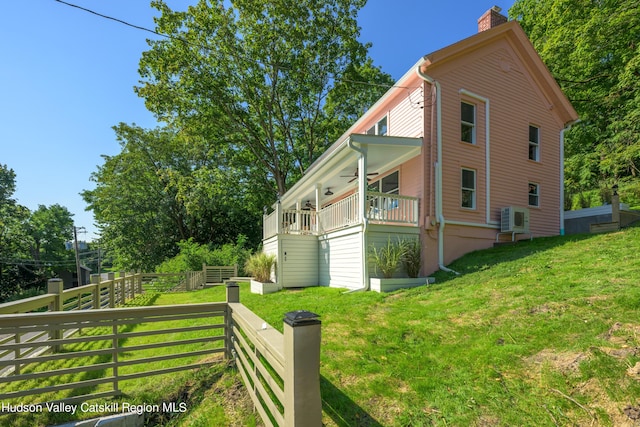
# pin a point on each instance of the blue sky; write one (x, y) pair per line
(67, 77)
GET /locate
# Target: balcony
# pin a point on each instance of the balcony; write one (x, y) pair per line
(381, 208)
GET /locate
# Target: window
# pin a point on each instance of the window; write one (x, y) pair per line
(534, 194)
(390, 184)
(468, 189)
(534, 143)
(468, 123)
(379, 128)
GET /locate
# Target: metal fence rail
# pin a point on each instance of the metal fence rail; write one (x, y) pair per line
(111, 340)
(281, 371)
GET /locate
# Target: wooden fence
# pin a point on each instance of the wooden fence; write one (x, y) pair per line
(218, 274)
(281, 371)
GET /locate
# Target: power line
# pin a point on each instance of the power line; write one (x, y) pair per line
(138, 27)
(168, 36)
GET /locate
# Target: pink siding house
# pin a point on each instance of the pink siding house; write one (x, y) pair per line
(465, 150)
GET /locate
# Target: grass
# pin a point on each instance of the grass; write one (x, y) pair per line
(542, 333)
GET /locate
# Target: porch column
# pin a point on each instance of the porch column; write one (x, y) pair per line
(315, 222)
(278, 217)
(362, 183)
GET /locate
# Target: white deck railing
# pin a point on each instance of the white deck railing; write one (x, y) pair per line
(382, 208)
(270, 225)
(392, 208)
(340, 214)
(299, 221)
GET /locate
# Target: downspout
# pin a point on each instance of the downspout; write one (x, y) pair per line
(439, 212)
(566, 128)
(362, 205)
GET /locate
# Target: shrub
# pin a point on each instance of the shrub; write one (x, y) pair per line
(259, 265)
(412, 257)
(387, 258)
(192, 255)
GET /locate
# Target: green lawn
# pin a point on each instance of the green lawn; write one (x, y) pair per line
(542, 333)
(545, 332)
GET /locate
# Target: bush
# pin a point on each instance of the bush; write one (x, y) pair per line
(387, 258)
(259, 265)
(412, 260)
(192, 255)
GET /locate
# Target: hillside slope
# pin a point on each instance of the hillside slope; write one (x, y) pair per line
(545, 332)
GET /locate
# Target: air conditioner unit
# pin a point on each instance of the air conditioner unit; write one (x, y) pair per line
(514, 220)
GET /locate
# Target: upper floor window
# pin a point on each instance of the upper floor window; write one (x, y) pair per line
(534, 143)
(468, 188)
(379, 128)
(468, 122)
(534, 194)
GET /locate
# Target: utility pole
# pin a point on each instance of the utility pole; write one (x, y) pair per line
(75, 245)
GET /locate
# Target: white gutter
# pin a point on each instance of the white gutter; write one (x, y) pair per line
(487, 154)
(438, 166)
(566, 128)
(362, 205)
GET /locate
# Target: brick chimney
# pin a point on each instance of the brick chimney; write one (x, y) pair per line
(491, 18)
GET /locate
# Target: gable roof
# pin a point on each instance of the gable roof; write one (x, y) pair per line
(517, 38)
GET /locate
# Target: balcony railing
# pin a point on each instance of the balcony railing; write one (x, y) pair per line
(340, 214)
(382, 208)
(392, 208)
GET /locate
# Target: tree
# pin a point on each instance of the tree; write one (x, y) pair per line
(267, 84)
(49, 229)
(163, 188)
(32, 245)
(593, 50)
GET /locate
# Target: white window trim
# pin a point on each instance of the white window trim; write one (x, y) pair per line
(537, 195)
(535, 144)
(473, 190)
(472, 125)
(375, 129)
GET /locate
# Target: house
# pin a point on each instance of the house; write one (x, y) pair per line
(468, 141)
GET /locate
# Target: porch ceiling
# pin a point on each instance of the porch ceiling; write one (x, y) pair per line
(336, 169)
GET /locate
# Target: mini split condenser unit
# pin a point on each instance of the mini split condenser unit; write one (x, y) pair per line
(514, 220)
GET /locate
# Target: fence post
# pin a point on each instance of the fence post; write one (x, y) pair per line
(112, 289)
(302, 401)
(123, 288)
(139, 281)
(233, 296)
(56, 286)
(95, 281)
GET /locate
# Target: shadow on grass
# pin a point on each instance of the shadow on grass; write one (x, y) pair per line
(53, 417)
(485, 258)
(341, 409)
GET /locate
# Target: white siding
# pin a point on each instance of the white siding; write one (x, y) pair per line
(270, 246)
(297, 261)
(339, 259)
(405, 119)
(379, 236)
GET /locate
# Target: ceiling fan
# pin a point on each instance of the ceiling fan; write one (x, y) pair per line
(355, 175)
